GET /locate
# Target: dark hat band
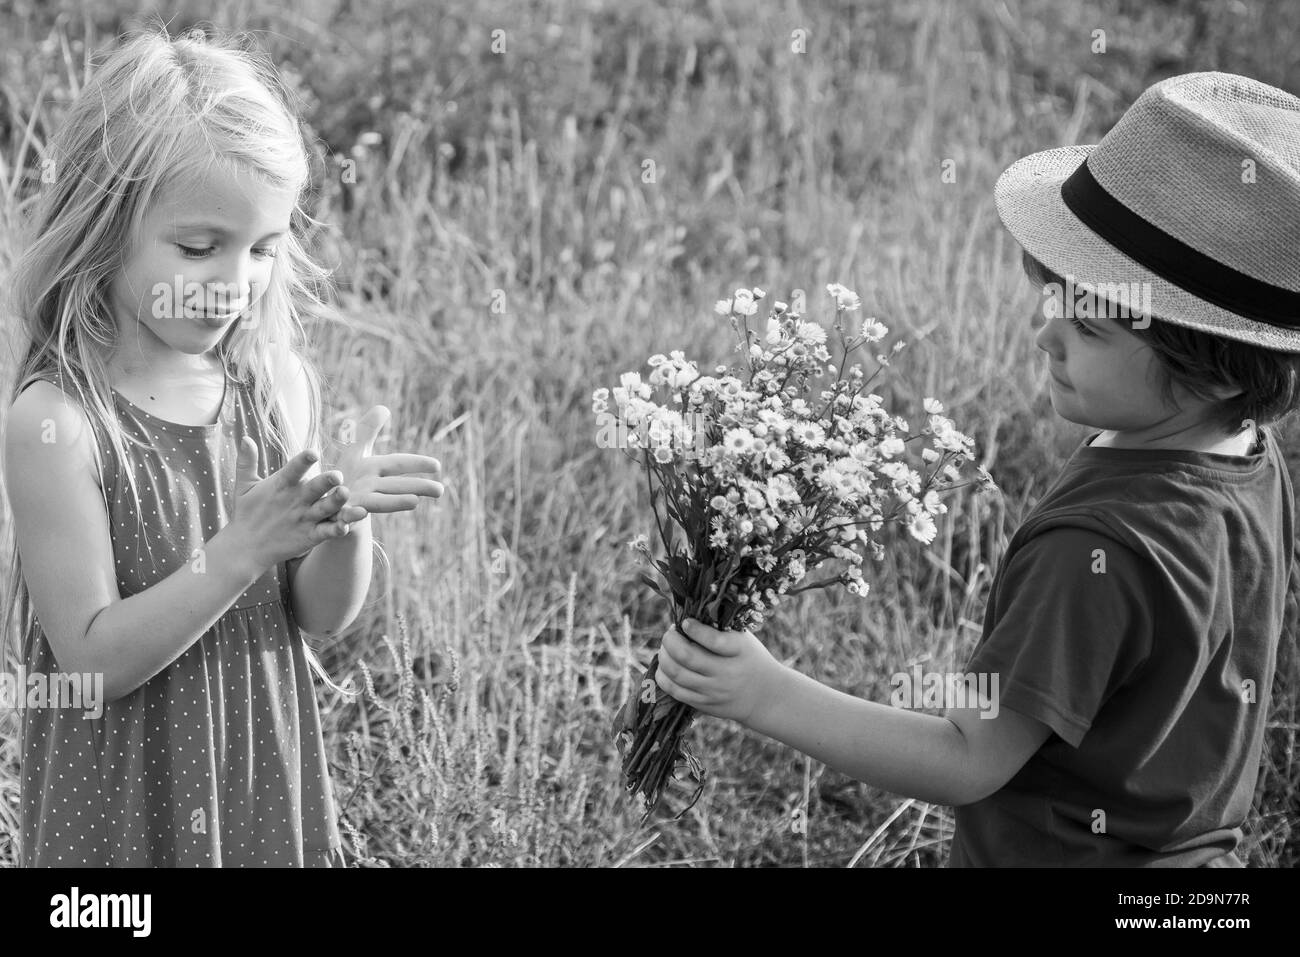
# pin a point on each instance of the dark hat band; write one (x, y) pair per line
(1173, 259)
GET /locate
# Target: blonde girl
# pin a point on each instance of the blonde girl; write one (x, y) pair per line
(174, 533)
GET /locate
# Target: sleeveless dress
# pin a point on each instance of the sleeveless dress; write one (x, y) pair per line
(218, 760)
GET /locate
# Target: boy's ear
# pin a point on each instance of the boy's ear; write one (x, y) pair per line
(1222, 393)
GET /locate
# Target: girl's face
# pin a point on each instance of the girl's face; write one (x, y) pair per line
(1105, 376)
(203, 257)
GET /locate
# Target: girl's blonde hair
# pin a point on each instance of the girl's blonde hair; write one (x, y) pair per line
(159, 111)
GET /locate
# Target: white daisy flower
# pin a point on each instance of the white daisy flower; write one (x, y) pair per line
(922, 528)
(737, 441)
(809, 433)
(845, 298)
(683, 377)
(811, 333)
(874, 331)
(743, 302)
(631, 381)
(891, 446)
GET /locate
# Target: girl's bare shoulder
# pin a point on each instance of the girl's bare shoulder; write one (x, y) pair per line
(46, 428)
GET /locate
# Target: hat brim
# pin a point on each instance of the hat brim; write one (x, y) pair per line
(1028, 197)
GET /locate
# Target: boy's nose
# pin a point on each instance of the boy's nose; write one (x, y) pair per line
(1047, 337)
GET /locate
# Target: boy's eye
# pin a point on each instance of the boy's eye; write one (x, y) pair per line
(1083, 330)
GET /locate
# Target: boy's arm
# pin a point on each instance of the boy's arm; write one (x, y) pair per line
(953, 760)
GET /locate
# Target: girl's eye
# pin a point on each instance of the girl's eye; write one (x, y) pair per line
(1083, 330)
(190, 252)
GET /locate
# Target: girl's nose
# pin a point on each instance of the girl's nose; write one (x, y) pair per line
(243, 272)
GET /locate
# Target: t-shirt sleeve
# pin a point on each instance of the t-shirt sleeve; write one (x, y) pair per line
(1074, 622)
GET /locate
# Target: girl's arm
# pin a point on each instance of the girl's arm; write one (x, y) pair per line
(66, 549)
(956, 759)
(329, 585)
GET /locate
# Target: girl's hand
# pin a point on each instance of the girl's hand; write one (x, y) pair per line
(728, 674)
(383, 483)
(281, 517)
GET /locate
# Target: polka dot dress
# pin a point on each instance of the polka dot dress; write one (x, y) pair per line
(218, 760)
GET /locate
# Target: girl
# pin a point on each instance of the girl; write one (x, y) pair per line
(173, 536)
(1133, 624)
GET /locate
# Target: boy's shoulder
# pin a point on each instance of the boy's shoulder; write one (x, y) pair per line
(1173, 495)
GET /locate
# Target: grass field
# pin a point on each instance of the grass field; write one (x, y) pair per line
(500, 631)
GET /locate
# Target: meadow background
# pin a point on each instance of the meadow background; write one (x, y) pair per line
(502, 628)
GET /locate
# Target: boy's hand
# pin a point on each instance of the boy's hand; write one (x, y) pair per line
(383, 483)
(728, 674)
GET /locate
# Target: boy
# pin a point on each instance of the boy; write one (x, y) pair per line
(1134, 620)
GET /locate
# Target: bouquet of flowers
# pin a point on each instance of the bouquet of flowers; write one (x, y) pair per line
(757, 476)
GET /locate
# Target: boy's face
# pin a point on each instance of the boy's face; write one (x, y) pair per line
(203, 257)
(1105, 376)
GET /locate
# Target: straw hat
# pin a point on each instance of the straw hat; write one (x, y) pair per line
(1196, 191)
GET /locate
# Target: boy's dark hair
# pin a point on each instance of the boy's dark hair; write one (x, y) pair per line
(1270, 379)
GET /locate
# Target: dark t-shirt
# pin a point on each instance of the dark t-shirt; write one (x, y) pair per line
(1137, 613)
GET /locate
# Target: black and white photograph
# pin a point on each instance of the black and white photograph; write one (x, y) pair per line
(691, 434)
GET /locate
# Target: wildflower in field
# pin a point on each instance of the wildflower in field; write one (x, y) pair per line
(891, 446)
(844, 298)
(738, 441)
(743, 303)
(922, 527)
(873, 331)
